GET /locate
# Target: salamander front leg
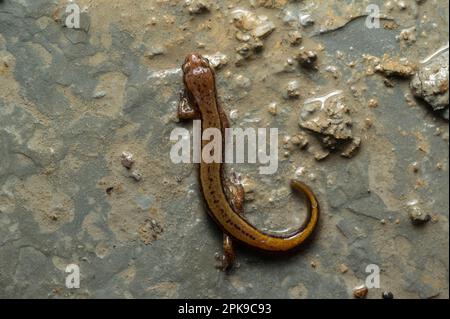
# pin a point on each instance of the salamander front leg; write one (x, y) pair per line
(187, 108)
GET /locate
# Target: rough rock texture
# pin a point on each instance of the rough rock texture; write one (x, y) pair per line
(431, 82)
(73, 100)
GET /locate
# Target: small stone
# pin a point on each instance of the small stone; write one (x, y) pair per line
(99, 94)
(242, 36)
(360, 292)
(155, 51)
(373, 103)
(306, 20)
(127, 160)
(263, 30)
(390, 67)
(387, 295)
(352, 148)
(136, 175)
(217, 60)
(306, 58)
(273, 108)
(320, 153)
(416, 215)
(242, 81)
(197, 6)
(343, 268)
(293, 89)
(295, 37)
(301, 140)
(388, 83)
(234, 115)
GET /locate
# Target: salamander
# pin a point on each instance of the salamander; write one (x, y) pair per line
(224, 196)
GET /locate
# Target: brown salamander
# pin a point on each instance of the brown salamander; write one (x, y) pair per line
(224, 197)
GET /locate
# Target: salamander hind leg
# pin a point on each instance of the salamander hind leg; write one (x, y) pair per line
(187, 108)
(228, 257)
(235, 195)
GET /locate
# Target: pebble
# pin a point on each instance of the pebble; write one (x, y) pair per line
(127, 159)
(360, 292)
(293, 89)
(242, 81)
(387, 295)
(295, 37)
(306, 20)
(306, 58)
(373, 103)
(273, 108)
(416, 215)
(136, 175)
(301, 140)
(99, 94)
(217, 60)
(197, 6)
(343, 268)
(352, 148)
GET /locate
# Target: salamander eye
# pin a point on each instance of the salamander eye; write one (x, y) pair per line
(205, 61)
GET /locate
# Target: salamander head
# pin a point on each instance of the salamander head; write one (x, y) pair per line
(195, 63)
(198, 76)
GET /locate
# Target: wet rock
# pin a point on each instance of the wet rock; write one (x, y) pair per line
(399, 68)
(328, 117)
(416, 214)
(360, 292)
(306, 58)
(127, 160)
(430, 83)
(197, 6)
(217, 60)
